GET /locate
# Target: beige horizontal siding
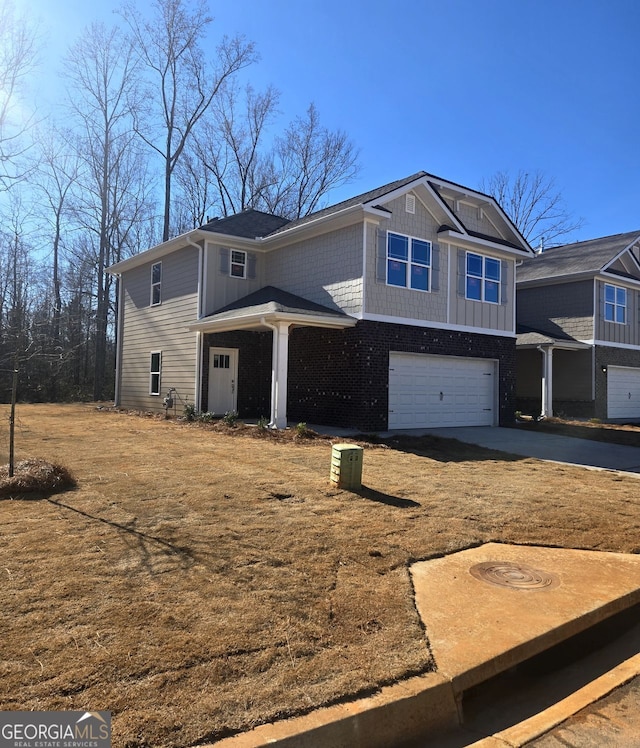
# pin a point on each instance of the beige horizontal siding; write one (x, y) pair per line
(147, 329)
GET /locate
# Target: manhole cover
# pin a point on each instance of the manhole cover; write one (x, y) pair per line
(509, 574)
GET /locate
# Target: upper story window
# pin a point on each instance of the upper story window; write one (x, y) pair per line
(408, 262)
(615, 304)
(238, 264)
(154, 373)
(156, 283)
(482, 278)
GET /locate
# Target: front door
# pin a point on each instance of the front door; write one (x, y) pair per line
(223, 378)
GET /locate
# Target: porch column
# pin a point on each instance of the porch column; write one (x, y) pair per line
(547, 381)
(279, 366)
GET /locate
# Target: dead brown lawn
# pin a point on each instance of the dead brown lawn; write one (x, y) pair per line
(196, 583)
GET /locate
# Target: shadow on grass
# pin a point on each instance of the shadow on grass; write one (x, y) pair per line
(385, 498)
(186, 556)
(440, 448)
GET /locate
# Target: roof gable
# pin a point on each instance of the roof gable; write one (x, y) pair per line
(617, 254)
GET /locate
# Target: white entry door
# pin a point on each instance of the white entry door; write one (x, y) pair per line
(428, 391)
(223, 380)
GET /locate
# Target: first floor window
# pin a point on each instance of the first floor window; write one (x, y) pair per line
(238, 264)
(615, 304)
(408, 262)
(156, 283)
(483, 278)
(154, 373)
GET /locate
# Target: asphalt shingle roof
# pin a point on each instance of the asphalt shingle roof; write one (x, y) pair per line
(270, 299)
(582, 257)
(248, 224)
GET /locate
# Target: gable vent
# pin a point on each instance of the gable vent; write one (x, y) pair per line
(410, 204)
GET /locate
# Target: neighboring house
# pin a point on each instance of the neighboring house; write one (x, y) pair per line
(394, 309)
(578, 311)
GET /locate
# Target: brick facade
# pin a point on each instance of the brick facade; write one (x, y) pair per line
(340, 377)
(254, 370)
(609, 356)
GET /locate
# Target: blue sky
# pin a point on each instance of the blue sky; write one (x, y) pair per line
(458, 88)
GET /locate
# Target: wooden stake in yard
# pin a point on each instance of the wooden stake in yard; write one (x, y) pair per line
(12, 421)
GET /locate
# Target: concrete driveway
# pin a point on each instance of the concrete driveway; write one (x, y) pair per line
(528, 443)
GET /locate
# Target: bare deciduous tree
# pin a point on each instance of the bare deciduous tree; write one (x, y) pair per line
(290, 178)
(101, 68)
(533, 203)
(313, 161)
(18, 56)
(182, 83)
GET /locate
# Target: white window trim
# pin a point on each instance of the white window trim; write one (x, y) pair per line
(152, 373)
(158, 284)
(615, 304)
(483, 278)
(243, 263)
(408, 262)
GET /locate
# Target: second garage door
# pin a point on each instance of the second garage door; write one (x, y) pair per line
(435, 391)
(623, 393)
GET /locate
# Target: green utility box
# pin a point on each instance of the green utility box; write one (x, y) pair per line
(346, 466)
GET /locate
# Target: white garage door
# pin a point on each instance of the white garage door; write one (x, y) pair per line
(623, 392)
(434, 391)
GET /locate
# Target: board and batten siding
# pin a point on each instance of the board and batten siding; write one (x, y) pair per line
(443, 304)
(481, 314)
(326, 269)
(162, 327)
(394, 301)
(614, 332)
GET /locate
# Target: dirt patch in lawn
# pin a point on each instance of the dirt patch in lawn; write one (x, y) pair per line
(197, 583)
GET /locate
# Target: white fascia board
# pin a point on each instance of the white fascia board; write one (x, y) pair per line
(487, 199)
(618, 280)
(381, 213)
(628, 249)
(181, 242)
(611, 344)
(437, 325)
(242, 322)
(556, 345)
(420, 182)
(473, 242)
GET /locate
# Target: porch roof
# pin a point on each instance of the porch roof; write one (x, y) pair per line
(267, 306)
(528, 337)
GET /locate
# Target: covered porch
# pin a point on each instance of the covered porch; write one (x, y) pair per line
(222, 339)
(553, 373)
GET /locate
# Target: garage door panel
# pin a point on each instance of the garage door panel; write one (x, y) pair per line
(432, 391)
(623, 393)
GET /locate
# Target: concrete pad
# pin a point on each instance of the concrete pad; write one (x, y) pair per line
(477, 627)
(527, 442)
(397, 714)
(485, 610)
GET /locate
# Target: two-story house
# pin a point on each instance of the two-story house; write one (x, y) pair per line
(393, 309)
(578, 312)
